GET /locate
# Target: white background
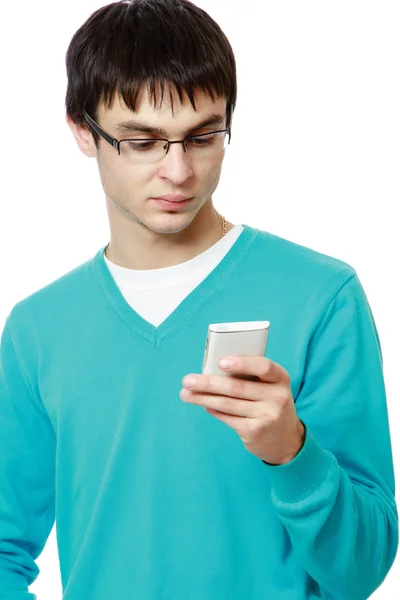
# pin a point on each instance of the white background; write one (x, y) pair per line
(314, 156)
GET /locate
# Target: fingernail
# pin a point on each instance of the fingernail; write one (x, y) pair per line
(225, 363)
(189, 381)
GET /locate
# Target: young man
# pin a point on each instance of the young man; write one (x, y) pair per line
(280, 487)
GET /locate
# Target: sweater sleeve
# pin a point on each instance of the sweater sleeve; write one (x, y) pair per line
(336, 498)
(27, 475)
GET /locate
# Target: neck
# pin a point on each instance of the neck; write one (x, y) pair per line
(151, 249)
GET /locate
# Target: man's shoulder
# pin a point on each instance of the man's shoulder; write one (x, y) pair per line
(293, 255)
(297, 273)
(55, 296)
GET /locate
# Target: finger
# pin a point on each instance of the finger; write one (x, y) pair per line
(224, 404)
(264, 368)
(254, 391)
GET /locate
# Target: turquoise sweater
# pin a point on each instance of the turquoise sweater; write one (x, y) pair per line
(154, 498)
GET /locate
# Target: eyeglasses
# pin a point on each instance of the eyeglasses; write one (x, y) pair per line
(205, 145)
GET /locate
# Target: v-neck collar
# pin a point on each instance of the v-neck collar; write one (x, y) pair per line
(189, 305)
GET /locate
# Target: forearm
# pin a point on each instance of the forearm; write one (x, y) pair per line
(344, 532)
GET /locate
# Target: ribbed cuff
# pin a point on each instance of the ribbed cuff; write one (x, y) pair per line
(298, 479)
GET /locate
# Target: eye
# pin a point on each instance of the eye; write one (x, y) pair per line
(142, 146)
(205, 140)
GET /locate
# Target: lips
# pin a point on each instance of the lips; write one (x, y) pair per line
(172, 205)
(173, 198)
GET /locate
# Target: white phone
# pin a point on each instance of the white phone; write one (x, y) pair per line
(230, 339)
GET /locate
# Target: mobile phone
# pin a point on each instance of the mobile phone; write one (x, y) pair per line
(230, 339)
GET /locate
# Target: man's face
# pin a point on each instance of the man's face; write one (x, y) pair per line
(130, 187)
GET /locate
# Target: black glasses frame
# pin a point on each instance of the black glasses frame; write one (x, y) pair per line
(116, 143)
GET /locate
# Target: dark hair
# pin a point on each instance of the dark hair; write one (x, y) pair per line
(125, 45)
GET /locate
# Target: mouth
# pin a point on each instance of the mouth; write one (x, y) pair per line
(172, 205)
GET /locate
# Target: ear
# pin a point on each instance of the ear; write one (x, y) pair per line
(83, 138)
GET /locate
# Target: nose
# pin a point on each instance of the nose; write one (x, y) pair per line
(176, 164)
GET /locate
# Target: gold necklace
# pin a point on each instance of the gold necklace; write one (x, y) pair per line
(223, 226)
(223, 233)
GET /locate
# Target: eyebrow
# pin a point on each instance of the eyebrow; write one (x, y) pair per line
(130, 126)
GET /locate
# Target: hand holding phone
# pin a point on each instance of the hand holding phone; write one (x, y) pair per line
(232, 339)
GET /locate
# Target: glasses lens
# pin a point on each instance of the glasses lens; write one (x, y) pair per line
(207, 146)
(148, 151)
(143, 151)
